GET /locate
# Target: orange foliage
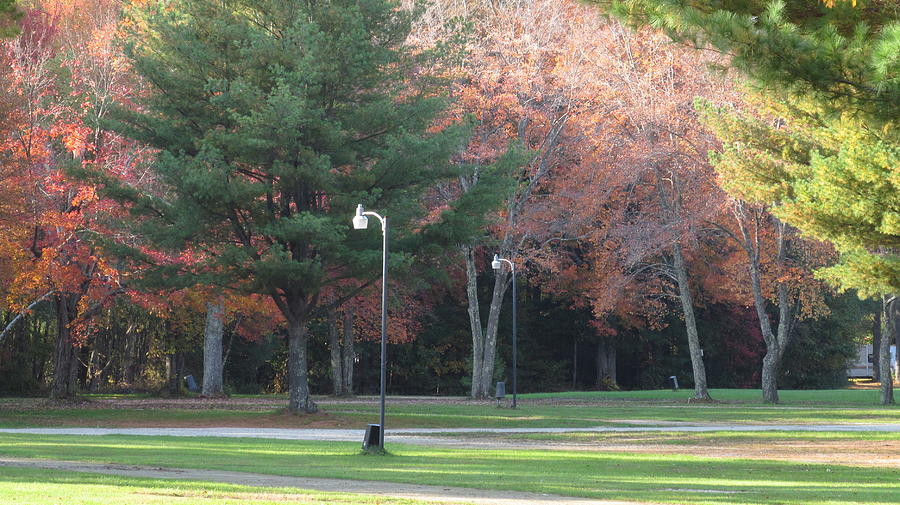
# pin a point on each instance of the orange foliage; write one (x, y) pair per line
(58, 126)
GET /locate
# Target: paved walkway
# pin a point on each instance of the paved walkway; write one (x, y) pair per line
(412, 434)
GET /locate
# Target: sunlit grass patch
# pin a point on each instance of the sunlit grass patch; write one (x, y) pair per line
(23, 486)
(698, 438)
(621, 475)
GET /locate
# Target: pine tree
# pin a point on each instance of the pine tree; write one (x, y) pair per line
(273, 120)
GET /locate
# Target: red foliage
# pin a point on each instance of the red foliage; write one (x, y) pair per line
(56, 130)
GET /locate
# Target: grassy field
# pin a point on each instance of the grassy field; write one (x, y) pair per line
(837, 397)
(44, 487)
(661, 478)
(405, 416)
(801, 468)
(699, 439)
(538, 410)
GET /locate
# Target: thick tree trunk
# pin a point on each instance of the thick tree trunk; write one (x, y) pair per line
(334, 346)
(770, 367)
(775, 343)
(606, 364)
(212, 350)
(690, 323)
(64, 363)
(300, 400)
(884, 361)
(490, 337)
(478, 388)
(349, 353)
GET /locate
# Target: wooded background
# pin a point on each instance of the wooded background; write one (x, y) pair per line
(708, 191)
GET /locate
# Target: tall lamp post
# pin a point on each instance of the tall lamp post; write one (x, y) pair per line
(496, 264)
(361, 222)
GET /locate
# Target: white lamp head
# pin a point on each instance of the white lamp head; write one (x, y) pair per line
(360, 222)
(496, 263)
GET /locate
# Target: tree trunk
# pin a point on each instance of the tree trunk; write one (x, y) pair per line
(93, 369)
(770, 376)
(490, 337)
(687, 306)
(129, 367)
(174, 369)
(212, 350)
(884, 353)
(671, 203)
(334, 346)
(606, 364)
(876, 343)
(478, 388)
(574, 364)
(896, 310)
(776, 343)
(300, 400)
(349, 354)
(64, 362)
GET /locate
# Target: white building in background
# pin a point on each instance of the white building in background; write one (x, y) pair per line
(863, 365)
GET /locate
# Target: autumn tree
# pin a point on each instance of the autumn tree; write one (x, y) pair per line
(273, 120)
(52, 65)
(822, 148)
(633, 190)
(517, 83)
(779, 264)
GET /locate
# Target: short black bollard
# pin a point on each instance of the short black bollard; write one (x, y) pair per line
(373, 437)
(674, 382)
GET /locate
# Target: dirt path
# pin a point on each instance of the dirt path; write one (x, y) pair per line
(884, 453)
(389, 489)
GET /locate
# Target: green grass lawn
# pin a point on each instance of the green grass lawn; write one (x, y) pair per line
(615, 413)
(700, 439)
(23, 486)
(174, 417)
(608, 475)
(449, 416)
(578, 409)
(743, 396)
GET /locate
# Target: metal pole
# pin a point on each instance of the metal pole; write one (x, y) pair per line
(514, 333)
(384, 280)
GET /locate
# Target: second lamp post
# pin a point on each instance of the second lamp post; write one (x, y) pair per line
(361, 222)
(496, 264)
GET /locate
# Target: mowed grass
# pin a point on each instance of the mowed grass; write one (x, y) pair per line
(699, 439)
(61, 416)
(669, 478)
(23, 486)
(742, 396)
(577, 409)
(536, 415)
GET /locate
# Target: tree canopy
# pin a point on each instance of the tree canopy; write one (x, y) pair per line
(273, 120)
(822, 146)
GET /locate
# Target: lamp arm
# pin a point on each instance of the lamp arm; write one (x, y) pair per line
(375, 214)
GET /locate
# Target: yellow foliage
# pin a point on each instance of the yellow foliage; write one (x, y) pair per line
(830, 3)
